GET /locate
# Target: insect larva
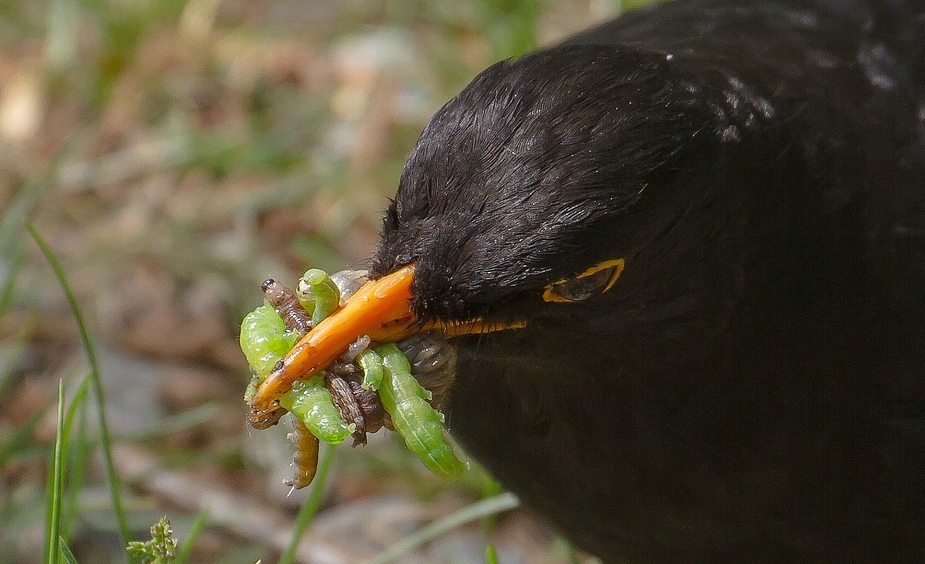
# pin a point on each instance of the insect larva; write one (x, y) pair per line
(318, 294)
(267, 334)
(370, 363)
(338, 402)
(337, 379)
(359, 399)
(298, 321)
(433, 364)
(368, 400)
(311, 402)
(287, 306)
(305, 457)
(355, 348)
(349, 281)
(347, 405)
(416, 421)
(265, 339)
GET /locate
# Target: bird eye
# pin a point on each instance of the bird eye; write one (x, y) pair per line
(592, 282)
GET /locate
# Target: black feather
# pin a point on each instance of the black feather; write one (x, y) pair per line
(752, 389)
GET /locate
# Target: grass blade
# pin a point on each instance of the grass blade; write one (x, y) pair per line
(190, 419)
(14, 355)
(13, 217)
(477, 510)
(69, 557)
(111, 476)
(56, 483)
(80, 450)
(9, 271)
(491, 555)
(187, 546)
(16, 263)
(21, 436)
(308, 509)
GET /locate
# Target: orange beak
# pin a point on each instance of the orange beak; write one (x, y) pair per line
(380, 309)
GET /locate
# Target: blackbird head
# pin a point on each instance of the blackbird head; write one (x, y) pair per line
(546, 177)
(545, 185)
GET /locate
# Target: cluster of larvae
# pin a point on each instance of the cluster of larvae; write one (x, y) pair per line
(394, 385)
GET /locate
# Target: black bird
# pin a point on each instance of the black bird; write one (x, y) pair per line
(704, 224)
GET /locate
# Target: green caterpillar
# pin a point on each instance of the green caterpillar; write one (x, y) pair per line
(271, 330)
(370, 363)
(419, 424)
(318, 294)
(265, 340)
(311, 402)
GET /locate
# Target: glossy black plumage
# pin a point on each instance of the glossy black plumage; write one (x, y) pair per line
(752, 388)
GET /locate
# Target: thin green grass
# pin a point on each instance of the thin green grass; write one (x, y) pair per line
(473, 512)
(17, 260)
(8, 370)
(78, 461)
(57, 528)
(183, 421)
(66, 552)
(15, 214)
(21, 436)
(309, 506)
(184, 551)
(94, 378)
(55, 487)
(491, 555)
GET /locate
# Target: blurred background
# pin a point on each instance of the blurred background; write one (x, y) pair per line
(173, 154)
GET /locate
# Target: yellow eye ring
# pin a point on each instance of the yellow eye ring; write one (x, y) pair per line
(592, 282)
